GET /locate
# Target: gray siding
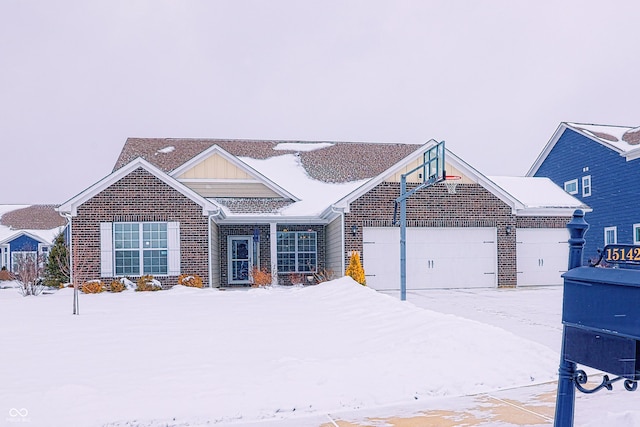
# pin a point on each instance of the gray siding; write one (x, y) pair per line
(335, 247)
(215, 255)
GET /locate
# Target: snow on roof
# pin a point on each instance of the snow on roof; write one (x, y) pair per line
(302, 146)
(623, 138)
(8, 233)
(288, 172)
(537, 192)
(166, 150)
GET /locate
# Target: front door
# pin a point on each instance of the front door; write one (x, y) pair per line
(240, 259)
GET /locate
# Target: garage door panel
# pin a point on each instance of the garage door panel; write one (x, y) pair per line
(542, 255)
(434, 257)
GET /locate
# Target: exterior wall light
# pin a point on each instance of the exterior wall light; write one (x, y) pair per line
(354, 230)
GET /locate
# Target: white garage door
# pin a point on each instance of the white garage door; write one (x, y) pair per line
(542, 254)
(436, 257)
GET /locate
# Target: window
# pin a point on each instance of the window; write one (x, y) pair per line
(137, 248)
(21, 260)
(571, 187)
(297, 251)
(610, 235)
(586, 186)
(140, 248)
(636, 234)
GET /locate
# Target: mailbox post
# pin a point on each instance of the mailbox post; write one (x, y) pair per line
(601, 320)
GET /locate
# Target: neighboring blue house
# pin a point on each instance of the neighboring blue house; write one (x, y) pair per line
(22, 244)
(600, 165)
(28, 231)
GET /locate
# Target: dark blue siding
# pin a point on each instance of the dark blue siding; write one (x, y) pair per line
(23, 243)
(615, 185)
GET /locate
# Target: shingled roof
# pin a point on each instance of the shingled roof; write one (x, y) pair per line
(35, 217)
(334, 162)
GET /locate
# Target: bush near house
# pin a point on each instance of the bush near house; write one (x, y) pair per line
(355, 269)
(191, 280)
(117, 286)
(147, 283)
(93, 287)
(261, 277)
(56, 270)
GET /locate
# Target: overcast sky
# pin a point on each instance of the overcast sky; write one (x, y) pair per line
(492, 78)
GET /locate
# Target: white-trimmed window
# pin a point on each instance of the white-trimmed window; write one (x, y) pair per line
(636, 234)
(297, 251)
(586, 186)
(25, 258)
(137, 248)
(610, 235)
(571, 187)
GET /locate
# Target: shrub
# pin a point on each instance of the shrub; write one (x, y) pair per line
(117, 286)
(93, 287)
(297, 279)
(261, 277)
(324, 275)
(355, 269)
(148, 283)
(191, 280)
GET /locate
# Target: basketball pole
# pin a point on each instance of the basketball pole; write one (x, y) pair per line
(403, 239)
(431, 176)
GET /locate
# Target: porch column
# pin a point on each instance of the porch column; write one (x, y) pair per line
(273, 239)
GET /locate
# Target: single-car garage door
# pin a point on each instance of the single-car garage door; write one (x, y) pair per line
(543, 255)
(448, 257)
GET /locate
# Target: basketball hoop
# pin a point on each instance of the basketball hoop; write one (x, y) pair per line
(451, 182)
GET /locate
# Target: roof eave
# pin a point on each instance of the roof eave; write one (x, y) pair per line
(70, 207)
(547, 149)
(552, 211)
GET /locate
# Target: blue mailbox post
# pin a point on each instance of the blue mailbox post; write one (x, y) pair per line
(601, 318)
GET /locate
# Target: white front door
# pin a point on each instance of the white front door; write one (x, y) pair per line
(240, 255)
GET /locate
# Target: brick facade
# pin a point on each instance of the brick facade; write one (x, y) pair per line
(471, 206)
(139, 197)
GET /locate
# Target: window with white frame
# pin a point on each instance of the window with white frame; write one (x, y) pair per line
(586, 186)
(297, 251)
(610, 235)
(571, 187)
(23, 260)
(636, 234)
(137, 248)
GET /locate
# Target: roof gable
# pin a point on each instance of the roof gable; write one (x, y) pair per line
(623, 140)
(70, 206)
(216, 163)
(457, 166)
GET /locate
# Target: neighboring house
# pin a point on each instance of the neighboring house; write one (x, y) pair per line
(599, 165)
(219, 208)
(27, 231)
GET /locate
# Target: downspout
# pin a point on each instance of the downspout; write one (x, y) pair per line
(68, 217)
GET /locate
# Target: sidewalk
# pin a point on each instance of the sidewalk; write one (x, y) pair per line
(526, 406)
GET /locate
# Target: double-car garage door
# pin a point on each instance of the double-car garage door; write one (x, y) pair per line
(456, 257)
(449, 257)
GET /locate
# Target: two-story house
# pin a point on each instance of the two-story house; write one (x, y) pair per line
(600, 165)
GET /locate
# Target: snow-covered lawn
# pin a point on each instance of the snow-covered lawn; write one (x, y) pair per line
(200, 357)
